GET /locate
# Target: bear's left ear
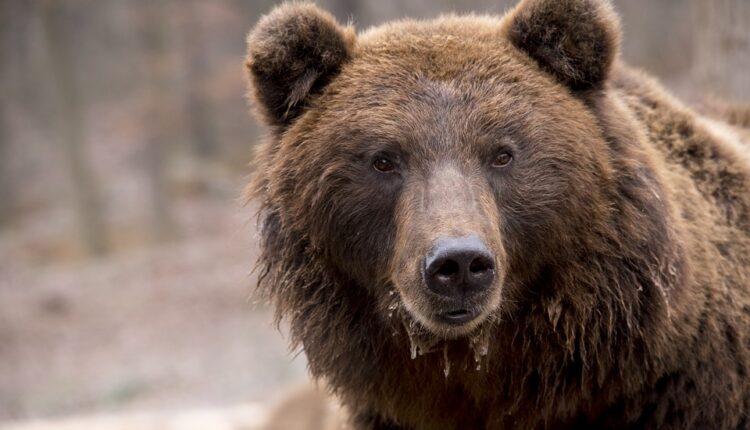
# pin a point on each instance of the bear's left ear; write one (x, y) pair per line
(574, 40)
(293, 53)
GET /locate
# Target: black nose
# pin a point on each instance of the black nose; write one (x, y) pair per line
(458, 267)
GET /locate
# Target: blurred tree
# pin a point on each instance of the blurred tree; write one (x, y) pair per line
(346, 10)
(199, 110)
(6, 198)
(657, 35)
(5, 96)
(721, 63)
(69, 122)
(160, 116)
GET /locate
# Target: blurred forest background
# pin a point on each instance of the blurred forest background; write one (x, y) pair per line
(125, 246)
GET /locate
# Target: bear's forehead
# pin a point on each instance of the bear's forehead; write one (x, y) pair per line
(446, 27)
(453, 79)
(444, 64)
(450, 44)
(455, 54)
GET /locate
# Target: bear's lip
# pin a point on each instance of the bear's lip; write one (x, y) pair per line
(456, 317)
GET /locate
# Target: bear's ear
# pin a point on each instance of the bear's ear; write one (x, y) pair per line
(292, 53)
(574, 40)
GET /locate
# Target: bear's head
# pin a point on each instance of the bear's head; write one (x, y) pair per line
(444, 172)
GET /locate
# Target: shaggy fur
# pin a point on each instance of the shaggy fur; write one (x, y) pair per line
(293, 52)
(735, 114)
(578, 51)
(621, 228)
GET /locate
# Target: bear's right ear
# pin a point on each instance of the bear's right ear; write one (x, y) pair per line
(293, 52)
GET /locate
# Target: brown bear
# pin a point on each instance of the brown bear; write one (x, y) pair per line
(486, 223)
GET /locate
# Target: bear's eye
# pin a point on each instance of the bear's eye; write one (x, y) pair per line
(502, 159)
(383, 164)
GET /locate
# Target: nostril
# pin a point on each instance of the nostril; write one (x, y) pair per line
(480, 265)
(448, 268)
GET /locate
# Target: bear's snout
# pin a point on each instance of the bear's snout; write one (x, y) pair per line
(459, 267)
(449, 259)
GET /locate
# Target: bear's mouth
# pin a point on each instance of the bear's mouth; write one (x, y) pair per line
(456, 317)
(424, 341)
(442, 319)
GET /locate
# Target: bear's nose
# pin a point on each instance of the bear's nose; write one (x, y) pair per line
(459, 267)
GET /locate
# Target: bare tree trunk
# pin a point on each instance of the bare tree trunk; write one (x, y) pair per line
(13, 16)
(722, 47)
(5, 96)
(160, 117)
(199, 112)
(70, 123)
(6, 197)
(347, 10)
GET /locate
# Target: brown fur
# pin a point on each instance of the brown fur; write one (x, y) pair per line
(579, 52)
(315, 42)
(735, 114)
(621, 229)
